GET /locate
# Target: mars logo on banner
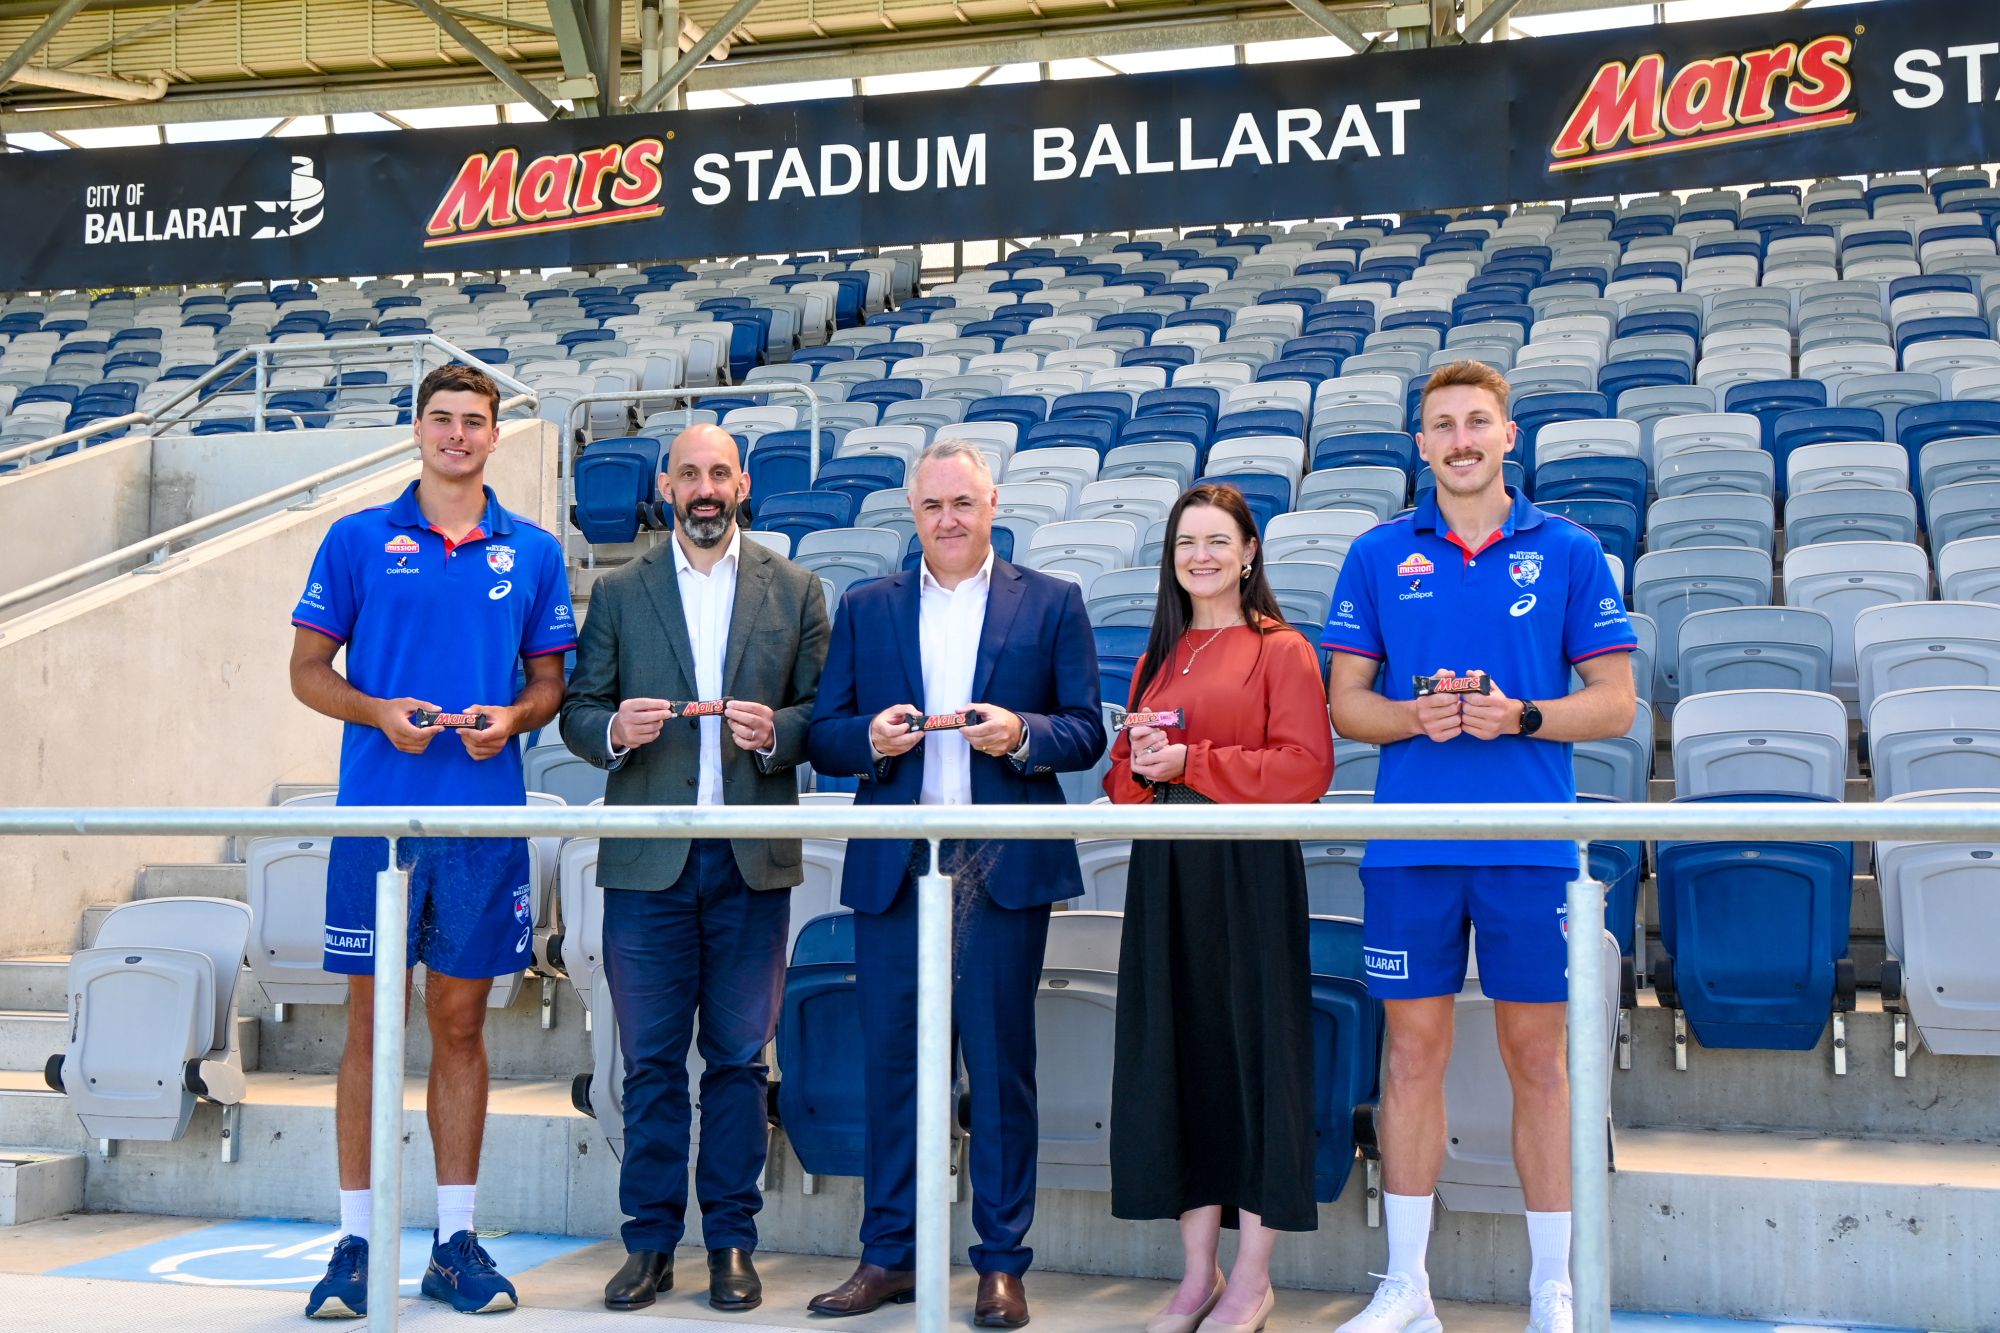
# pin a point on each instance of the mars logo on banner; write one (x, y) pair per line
(492, 198)
(1638, 111)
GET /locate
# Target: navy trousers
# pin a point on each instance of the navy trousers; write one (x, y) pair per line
(998, 967)
(707, 943)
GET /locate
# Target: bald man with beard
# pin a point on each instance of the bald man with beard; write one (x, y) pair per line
(697, 928)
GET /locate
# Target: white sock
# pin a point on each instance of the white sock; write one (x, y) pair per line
(354, 1213)
(454, 1210)
(1548, 1246)
(1407, 1218)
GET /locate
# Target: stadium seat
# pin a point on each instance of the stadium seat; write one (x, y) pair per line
(1756, 648)
(1105, 862)
(551, 767)
(1618, 767)
(1322, 535)
(285, 887)
(1790, 741)
(1938, 919)
(1754, 935)
(1347, 1026)
(1916, 645)
(617, 482)
(1969, 570)
(1075, 1024)
(1728, 519)
(820, 1098)
(847, 556)
(1935, 738)
(1962, 509)
(1124, 597)
(1842, 579)
(796, 513)
(153, 1027)
(1849, 514)
(1671, 585)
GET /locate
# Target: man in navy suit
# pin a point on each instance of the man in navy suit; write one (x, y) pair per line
(964, 632)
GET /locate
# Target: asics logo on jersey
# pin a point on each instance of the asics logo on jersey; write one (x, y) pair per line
(499, 590)
(1522, 606)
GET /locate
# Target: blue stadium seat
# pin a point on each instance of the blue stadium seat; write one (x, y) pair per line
(1169, 358)
(1533, 411)
(884, 391)
(1199, 399)
(1616, 524)
(796, 513)
(1754, 936)
(1119, 648)
(1347, 1029)
(1920, 423)
(856, 478)
(1622, 479)
(817, 357)
(1023, 409)
(1312, 368)
(1259, 421)
(1767, 400)
(1112, 406)
(1821, 425)
(616, 485)
(1640, 373)
(821, 1098)
(1370, 448)
(1266, 494)
(1088, 432)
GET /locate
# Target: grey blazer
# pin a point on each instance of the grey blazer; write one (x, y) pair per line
(635, 644)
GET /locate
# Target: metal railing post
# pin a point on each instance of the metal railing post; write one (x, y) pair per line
(385, 1106)
(1589, 1094)
(934, 984)
(260, 385)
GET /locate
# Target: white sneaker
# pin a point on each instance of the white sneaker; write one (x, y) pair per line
(1554, 1310)
(1401, 1305)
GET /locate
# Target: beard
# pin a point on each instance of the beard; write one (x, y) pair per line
(707, 532)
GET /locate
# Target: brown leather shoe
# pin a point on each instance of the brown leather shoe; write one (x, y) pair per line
(1003, 1303)
(866, 1291)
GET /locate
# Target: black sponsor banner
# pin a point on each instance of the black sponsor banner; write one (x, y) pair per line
(1905, 84)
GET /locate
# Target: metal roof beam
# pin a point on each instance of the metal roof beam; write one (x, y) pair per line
(38, 39)
(697, 53)
(1334, 25)
(486, 56)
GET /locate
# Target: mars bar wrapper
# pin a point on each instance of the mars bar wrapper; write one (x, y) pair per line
(700, 708)
(1155, 717)
(944, 721)
(1478, 682)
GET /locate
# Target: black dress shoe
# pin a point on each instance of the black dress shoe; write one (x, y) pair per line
(645, 1275)
(869, 1287)
(733, 1283)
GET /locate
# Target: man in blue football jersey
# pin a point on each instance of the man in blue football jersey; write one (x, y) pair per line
(1474, 580)
(437, 598)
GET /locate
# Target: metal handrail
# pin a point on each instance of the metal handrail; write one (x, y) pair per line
(158, 547)
(260, 357)
(566, 466)
(1589, 1055)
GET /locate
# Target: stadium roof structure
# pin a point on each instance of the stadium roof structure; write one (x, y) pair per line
(92, 64)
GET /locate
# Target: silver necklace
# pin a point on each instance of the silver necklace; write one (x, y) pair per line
(1197, 652)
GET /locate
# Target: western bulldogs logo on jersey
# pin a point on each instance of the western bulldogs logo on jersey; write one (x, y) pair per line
(1524, 567)
(500, 559)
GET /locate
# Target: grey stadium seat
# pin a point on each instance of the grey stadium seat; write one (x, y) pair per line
(1380, 490)
(1844, 578)
(846, 556)
(1940, 915)
(1105, 862)
(1930, 739)
(1869, 466)
(1914, 645)
(153, 1014)
(1849, 514)
(1321, 535)
(1711, 520)
(550, 767)
(1791, 741)
(1478, 1175)
(1963, 509)
(1124, 596)
(582, 940)
(1618, 766)
(1075, 1022)
(1355, 764)
(1697, 471)
(1756, 648)
(1304, 588)
(1968, 570)
(1669, 586)
(823, 861)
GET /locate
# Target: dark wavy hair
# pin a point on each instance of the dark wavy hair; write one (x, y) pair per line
(457, 376)
(1174, 611)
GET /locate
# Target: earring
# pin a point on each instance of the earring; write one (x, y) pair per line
(1245, 574)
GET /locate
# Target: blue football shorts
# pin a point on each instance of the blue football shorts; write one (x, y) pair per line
(471, 905)
(1417, 918)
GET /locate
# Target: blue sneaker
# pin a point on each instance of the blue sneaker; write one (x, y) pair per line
(462, 1275)
(343, 1292)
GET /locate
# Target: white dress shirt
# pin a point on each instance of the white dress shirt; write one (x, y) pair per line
(949, 624)
(707, 603)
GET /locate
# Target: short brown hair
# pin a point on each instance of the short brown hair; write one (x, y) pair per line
(458, 377)
(1469, 374)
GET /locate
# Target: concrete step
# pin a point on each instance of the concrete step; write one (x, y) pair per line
(207, 880)
(1773, 1226)
(38, 1185)
(1941, 1097)
(35, 983)
(29, 1037)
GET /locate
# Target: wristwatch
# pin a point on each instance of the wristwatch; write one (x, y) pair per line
(1531, 717)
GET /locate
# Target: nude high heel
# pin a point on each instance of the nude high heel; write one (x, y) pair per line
(1188, 1323)
(1257, 1321)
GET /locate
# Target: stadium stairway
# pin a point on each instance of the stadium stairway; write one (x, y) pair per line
(1752, 1184)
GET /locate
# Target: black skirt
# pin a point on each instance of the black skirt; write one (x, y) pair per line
(1212, 1085)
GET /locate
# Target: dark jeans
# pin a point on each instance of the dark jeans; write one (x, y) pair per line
(998, 969)
(710, 943)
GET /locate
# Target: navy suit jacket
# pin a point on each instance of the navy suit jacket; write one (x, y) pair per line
(1037, 658)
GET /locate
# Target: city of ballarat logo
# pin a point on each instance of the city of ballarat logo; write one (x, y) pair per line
(493, 197)
(118, 214)
(1640, 110)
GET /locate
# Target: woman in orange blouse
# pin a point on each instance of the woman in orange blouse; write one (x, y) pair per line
(1211, 1104)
